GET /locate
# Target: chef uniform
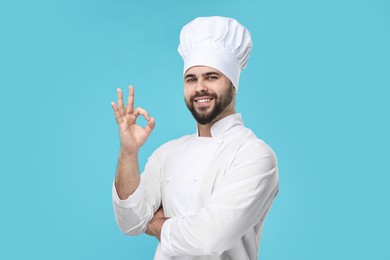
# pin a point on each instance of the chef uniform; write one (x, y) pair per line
(215, 191)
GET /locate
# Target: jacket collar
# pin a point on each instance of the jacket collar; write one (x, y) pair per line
(224, 126)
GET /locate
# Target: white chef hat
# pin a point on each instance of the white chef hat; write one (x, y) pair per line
(218, 42)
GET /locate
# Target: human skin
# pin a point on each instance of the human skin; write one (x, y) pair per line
(132, 137)
(203, 88)
(208, 86)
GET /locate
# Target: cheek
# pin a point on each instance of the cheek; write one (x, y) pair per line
(187, 93)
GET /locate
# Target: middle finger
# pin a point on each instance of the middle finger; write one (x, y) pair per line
(130, 100)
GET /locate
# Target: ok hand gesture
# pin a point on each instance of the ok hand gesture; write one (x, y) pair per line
(132, 136)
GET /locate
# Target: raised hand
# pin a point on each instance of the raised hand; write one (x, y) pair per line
(132, 136)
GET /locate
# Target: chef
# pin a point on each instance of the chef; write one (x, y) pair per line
(204, 195)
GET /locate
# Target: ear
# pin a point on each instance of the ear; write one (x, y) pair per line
(234, 87)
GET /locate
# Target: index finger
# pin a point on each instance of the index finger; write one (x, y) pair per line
(130, 100)
(140, 111)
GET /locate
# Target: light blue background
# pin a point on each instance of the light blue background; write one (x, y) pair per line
(316, 89)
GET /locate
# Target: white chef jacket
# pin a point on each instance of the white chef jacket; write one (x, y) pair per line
(216, 192)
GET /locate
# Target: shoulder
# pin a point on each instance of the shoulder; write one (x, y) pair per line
(253, 158)
(249, 147)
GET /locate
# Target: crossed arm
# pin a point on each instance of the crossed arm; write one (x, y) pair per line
(240, 201)
(156, 223)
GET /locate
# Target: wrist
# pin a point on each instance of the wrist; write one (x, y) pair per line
(123, 152)
(155, 227)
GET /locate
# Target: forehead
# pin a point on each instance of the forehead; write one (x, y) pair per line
(199, 70)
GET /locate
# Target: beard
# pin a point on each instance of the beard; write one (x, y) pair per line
(205, 115)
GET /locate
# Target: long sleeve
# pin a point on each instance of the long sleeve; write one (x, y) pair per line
(239, 202)
(134, 213)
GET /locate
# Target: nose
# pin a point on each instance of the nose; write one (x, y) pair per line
(201, 86)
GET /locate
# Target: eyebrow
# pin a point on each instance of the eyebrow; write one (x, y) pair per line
(204, 74)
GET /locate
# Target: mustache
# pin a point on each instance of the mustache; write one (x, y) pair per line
(203, 94)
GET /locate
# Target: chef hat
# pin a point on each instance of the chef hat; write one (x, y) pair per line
(218, 42)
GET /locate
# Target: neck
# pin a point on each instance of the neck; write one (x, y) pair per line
(204, 130)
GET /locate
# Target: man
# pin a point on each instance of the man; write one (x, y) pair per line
(206, 195)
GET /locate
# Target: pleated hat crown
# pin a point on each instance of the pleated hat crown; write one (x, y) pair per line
(218, 42)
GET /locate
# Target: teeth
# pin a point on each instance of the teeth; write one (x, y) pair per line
(203, 100)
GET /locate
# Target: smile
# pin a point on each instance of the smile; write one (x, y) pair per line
(203, 100)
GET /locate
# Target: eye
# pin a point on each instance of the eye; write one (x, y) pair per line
(190, 80)
(212, 78)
